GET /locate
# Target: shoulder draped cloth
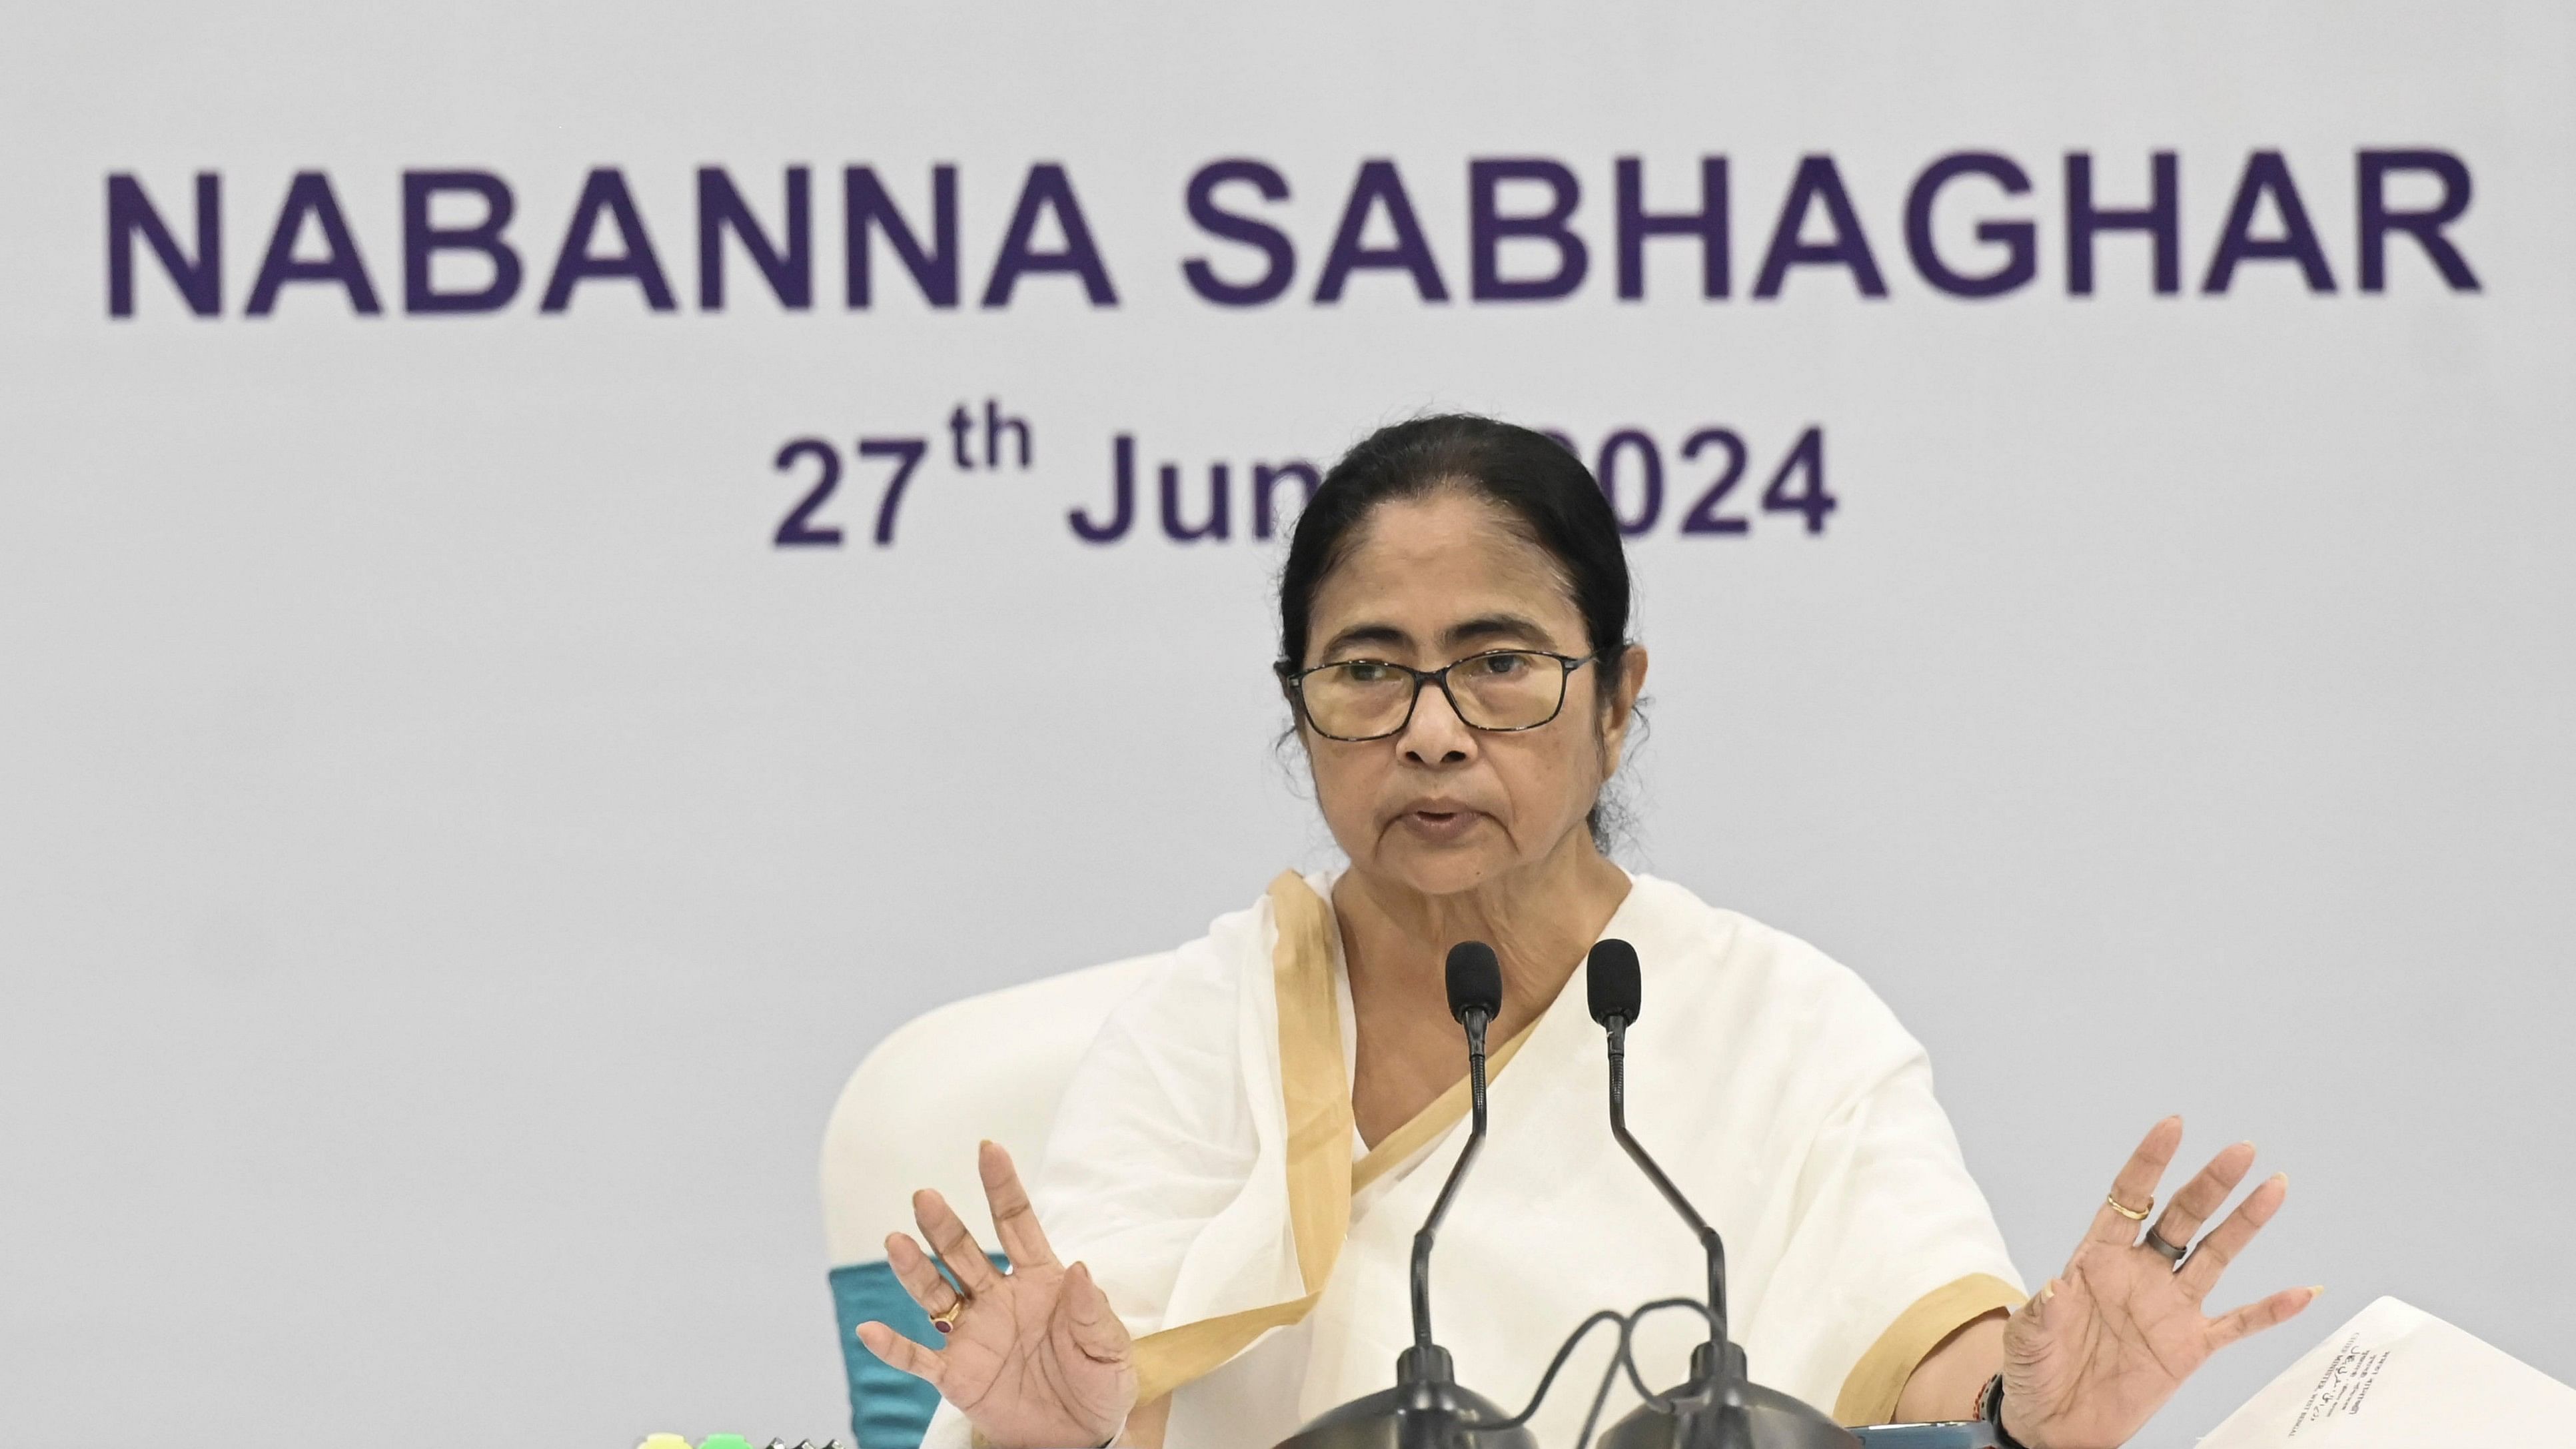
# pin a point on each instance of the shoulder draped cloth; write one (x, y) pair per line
(1203, 1165)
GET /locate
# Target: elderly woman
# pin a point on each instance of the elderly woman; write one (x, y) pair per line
(1215, 1249)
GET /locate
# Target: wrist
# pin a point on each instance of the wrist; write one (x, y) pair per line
(1992, 1408)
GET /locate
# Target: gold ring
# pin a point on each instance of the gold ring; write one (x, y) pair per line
(2135, 1215)
(946, 1322)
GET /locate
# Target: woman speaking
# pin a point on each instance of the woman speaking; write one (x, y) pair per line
(1215, 1250)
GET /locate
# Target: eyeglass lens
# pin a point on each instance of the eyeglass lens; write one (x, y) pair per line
(1506, 690)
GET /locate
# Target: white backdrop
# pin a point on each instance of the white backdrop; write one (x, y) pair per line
(450, 854)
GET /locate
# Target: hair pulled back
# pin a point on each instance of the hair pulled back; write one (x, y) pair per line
(1541, 486)
(1545, 490)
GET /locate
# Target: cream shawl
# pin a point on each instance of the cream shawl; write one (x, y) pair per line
(1203, 1164)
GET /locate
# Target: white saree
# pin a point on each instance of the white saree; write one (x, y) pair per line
(1204, 1165)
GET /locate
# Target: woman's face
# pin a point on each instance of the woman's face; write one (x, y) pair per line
(1440, 807)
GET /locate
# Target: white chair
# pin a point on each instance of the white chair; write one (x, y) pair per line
(989, 1066)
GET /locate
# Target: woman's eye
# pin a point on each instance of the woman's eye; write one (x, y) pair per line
(1365, 671)
(1501, 665)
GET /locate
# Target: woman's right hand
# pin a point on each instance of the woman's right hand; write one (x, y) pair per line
(1036, 1357)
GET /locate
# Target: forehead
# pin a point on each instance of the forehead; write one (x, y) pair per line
(1420, 567)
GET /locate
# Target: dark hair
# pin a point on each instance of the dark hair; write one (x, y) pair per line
(1541, 485)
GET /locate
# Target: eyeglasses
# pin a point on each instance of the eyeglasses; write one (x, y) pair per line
(1499, 691)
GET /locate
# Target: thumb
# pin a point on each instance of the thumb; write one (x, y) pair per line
(2023, 1330)
(1089, 1320)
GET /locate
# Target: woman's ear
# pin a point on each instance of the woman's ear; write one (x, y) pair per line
(1624, 689)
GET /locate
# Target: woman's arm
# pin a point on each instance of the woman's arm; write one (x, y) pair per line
(1949, 1380)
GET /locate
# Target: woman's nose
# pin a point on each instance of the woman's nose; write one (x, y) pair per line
(1436, 735)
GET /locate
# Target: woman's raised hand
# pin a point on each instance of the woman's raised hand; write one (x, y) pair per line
(2106, 1343)
(1033, 1356)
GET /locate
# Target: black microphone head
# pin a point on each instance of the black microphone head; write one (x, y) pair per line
(1475, 980)
(1610, 981)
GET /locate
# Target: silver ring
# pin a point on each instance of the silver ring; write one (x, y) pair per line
(2168, 1251)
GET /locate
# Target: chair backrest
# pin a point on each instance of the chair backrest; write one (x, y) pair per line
(989, 1066)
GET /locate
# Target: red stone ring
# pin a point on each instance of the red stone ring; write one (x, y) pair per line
(946, 1322)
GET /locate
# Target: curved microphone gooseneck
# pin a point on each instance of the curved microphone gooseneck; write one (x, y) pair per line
(1475, 999)
(1721, 1407)
(1428, 1408)
(1614, 989)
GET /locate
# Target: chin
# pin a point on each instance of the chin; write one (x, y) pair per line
(1443, 872)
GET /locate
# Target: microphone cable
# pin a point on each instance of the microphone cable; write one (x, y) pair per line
(1623, 1359)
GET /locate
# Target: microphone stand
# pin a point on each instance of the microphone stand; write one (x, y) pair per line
(1428, 1408)
(1424, 1349)
(1717, 1367)
(1720, 1407)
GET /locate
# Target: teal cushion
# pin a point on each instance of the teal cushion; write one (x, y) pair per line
(889, 1408)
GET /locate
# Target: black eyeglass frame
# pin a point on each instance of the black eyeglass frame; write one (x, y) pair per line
(1293, 681)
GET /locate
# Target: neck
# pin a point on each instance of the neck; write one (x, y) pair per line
(1539, 918)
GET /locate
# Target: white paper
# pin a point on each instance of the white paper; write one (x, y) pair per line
(2396, 1377)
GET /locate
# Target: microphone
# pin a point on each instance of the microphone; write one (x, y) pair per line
(1475, 999)
(1720, 1407)
(1427, 1408)
(1614, 987)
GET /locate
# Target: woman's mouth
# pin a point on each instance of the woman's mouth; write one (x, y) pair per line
(1440, 822)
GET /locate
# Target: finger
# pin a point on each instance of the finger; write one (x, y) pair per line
(900, 1352)
(1015, 1222)
(1093, 1324)
(2201, 1198)
(919, 1276)
(949, 1238)
(2135, 1187)
(2200, 1271)
(2253, 1318)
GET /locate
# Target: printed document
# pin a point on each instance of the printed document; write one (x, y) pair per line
(2396, 1377)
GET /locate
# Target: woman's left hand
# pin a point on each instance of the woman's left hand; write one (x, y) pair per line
(2102, 1347)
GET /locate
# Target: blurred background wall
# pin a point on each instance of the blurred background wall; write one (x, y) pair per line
(463, 812)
